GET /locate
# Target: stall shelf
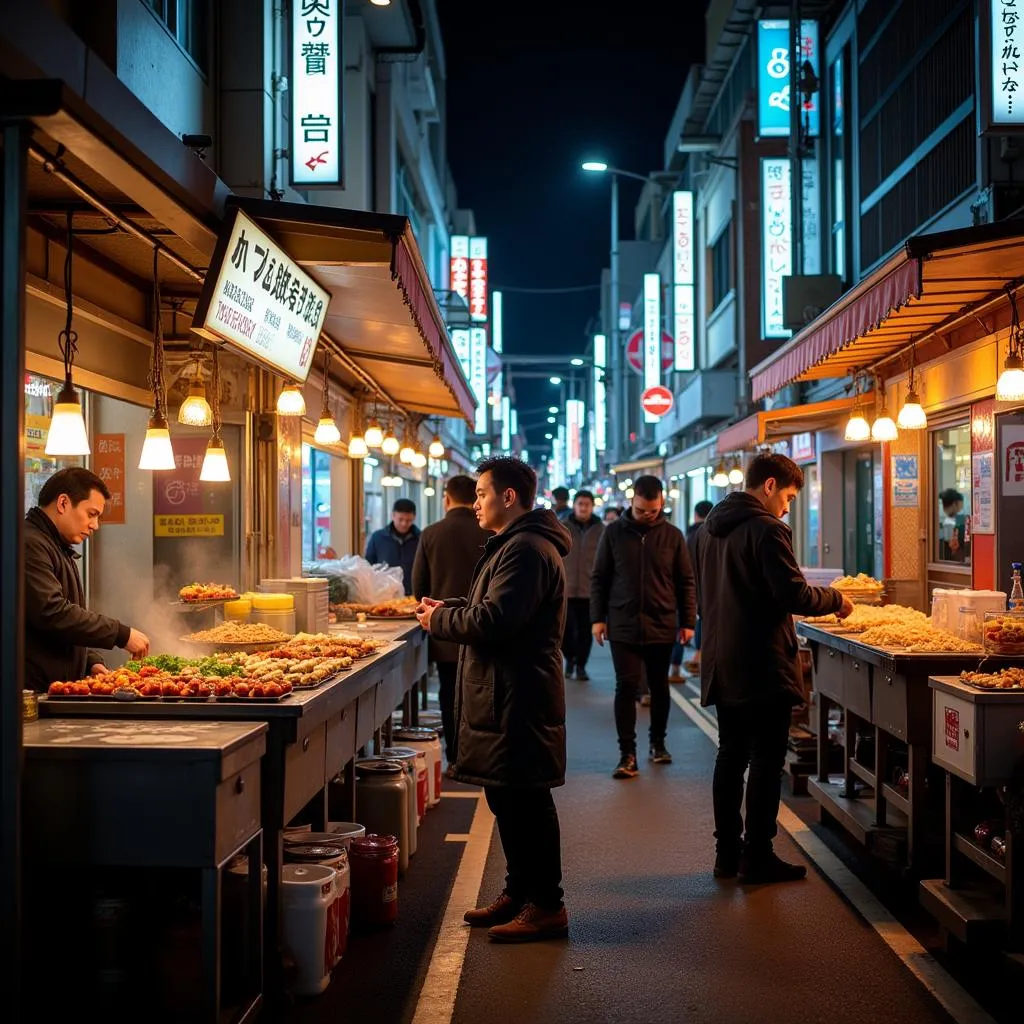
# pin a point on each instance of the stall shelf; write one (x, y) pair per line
(121, 794)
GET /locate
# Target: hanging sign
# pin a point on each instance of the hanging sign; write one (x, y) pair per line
(776, 244)
(316, 153)
(108, 465)
(478, 279)
(259, 301)
(657, 401)
(774, 74)
(458, 266)
(683, 305)
(1002, 56)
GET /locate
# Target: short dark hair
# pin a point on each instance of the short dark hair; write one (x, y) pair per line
(950, 496)
(782, 469)
(648, 487)
(583, 494)
(612, 510)
(510, 473)
(404, 505)
(461, 489)
(560, 493)
(702, 508)
(76, 482)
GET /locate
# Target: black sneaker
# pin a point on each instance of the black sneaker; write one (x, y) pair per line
(626, 768)
(767, 868)
(581, 675)
(659, 755)
(727, 864)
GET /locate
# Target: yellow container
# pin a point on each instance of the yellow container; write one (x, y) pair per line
(238, 611)
(273, 602)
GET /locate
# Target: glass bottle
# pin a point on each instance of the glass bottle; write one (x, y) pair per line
(1017, 592)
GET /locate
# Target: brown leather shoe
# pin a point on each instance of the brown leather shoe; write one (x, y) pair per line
(501, 911)
(532, 925)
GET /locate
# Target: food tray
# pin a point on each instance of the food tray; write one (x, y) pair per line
(97, 696)
(390, 618)
(223, 647)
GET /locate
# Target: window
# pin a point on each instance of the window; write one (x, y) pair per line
(721, 267)
(188, 22)
(808, 511)
(951, 494)
(317, 542)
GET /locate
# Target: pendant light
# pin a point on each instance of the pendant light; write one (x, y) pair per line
(857, 427)
(1010, 386)
(912, 415)
(884, 427)
(291, 401)
(66, 435)
(327, 431)
(157, 453)
(721, 475)
(195, 411)
(215, 461)
(374, 436)
(390, 445)
(436, 449)
(419, 460)
(736, 474)
(408, 453)
(356, 445)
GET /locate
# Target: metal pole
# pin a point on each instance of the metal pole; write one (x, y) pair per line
(13, 175)
(618, 406)
(796, 175)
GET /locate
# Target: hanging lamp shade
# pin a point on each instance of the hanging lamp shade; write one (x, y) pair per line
(721, 476)
(291, 402)
(66, 435)
(195, 411)
(157, 453)
(857, 427)
(390, 445)
(374, 436)
(357, 447)
(1010, 386)
(419, 460)
(912, 415)
(215, 463)
(327, 431)
(436, 449)
(407, 454)
(736, 474)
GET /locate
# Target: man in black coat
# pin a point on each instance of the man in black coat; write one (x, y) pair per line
(396, 543)
(642, 599)
(59, 629)
(447, 554)
(700, 513)
(510, 702)
(749, 589)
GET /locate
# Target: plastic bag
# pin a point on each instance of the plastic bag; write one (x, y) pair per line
(387, 583)
(363, 583)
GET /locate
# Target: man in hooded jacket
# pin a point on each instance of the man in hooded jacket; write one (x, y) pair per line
(749, 587)
(510, 696)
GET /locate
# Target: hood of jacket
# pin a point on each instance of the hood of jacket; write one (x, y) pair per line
(735, 510)
(38, 517)
(634, 524)
(542, 521)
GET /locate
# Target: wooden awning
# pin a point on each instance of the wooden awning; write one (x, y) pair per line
(775, 424)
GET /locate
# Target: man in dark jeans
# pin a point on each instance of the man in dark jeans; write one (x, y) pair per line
(749, 589)
(642, 599)
(510, 704)
(445, 559)
(585, 529)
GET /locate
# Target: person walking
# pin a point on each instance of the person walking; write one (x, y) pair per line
(561, 497)
(397, 542)
(700, 513)
(585, 529)
(642, 600)
(749, 589)
(447, 553)
(510, 698)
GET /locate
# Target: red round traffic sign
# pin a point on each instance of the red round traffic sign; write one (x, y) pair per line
(635, 351)
(657, 401)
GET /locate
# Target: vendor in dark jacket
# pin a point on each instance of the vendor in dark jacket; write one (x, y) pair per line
(59, 629)
(642, 599)
(510, 702)
(749, 589)
(445, 558)
(397, 542)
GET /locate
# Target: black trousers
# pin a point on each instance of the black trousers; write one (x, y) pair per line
(578, 639)
(446, 673)
(527, 822)
(754, 737)
(631, 662)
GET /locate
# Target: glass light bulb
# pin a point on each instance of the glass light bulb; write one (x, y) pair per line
(884, 429)
(157, 452)
(436, 449)
(374, 436)
(66, 435)
(857, 428)
(215, 463)
(912, 416)
(390, 445)
(195, 411)
(327, 431)
(720, 479)
(419, 460)
(429, 492)
(357, 447)
(735, 476)
(290, 402)
(1010, 387)
(406, 454)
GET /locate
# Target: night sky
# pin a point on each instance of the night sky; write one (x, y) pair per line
(533, 90)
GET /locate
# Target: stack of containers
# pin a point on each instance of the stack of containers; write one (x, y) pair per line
(277, 610)
(426, 740)
(309, 597)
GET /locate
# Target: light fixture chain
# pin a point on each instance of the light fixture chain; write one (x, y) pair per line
(67, 339)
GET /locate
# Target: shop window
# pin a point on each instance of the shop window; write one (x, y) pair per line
(317, 542)
(721, 268)
(188, 22)
(809, 518)
(951, 494)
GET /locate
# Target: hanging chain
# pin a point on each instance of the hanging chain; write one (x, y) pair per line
(1015, 328)
(67, 339)
(325, 409)
(215, 387)
(156, 379)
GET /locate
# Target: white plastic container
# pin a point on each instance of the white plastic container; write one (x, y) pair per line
(346, 831)
(946, 605)
(425, 739)
(307, 897)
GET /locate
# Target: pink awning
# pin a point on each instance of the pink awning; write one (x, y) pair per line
(738, 437)
(775, 424)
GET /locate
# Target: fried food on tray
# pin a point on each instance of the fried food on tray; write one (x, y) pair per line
(917, 639)
(399, 606)
(239, 633)
(864, 616)
(862, 581)
(1004, 679)
(196, 592)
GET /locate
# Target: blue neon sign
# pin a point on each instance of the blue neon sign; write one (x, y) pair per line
(773, 76)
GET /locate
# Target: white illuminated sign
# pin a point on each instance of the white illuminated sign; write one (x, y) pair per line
(256, 299)
(575, 412)
(652, 335)
(682, 237)
(497, 330)
(600, 350)
(317, 126)
(506, 424)
(515, 423)
(1006, 56)
(478, 376)
(776, 243)
(811, 221)
(478, 279)
(600, 411)
(683, 306)
(458, 266)
(460, 342)
(591, 443)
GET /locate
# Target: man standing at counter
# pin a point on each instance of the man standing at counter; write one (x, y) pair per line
(59, 629)
(749, 587)
(510, 704)
(396, 544)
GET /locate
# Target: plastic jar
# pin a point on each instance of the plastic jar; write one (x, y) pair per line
(345, 831)
(383, 802)
(334, 856)
(409, 758)
(374, 863)
(307, 893)
(425, 739)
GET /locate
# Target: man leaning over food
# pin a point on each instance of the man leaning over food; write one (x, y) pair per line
(59, 629)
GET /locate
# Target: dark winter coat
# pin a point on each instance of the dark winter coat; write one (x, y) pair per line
(642, 587)
(692, 533)
(393, 548)
(749, 589)
(510, 698)
(447, 554)
(59, 629)
(579, 563)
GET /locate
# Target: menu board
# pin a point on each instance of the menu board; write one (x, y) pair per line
(108, 465)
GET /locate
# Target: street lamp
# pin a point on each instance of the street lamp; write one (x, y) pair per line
(555, 380)
(576, 362)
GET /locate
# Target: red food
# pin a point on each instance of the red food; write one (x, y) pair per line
(273, 690)
(258, 690)
(57, 688)
(169, 688)
(222, 688)
(241, 689)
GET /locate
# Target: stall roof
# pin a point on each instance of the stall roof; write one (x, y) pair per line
(762, 427)
(655, 462)
(919, 292)
(383, 313)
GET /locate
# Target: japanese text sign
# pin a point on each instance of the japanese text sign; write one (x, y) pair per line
(652, 335)
(478, 376)
(260, 302)
(1006, 62)
(478, 279)
(776, 243)
(108, 465)
(774, 73)
(317, 129)
(458, 273)
(683, 306)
